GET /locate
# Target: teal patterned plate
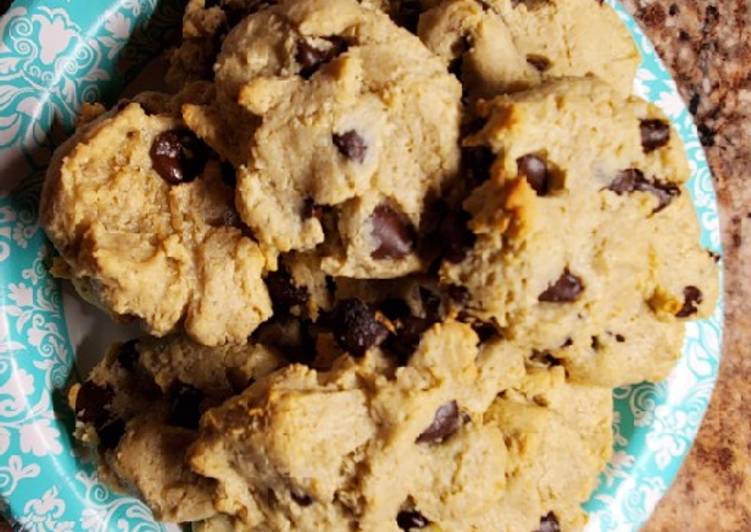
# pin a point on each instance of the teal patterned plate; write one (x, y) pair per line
(57, 54)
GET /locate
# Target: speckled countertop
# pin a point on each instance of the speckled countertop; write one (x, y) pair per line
(707, 45)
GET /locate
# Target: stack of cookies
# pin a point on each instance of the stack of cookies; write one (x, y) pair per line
(390, 259)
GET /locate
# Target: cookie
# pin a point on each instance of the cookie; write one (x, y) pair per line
(141, 212)
(139, 412)
(342, 125)
(502, 46)
(559, 438)
(586, 242)
(356, 445)
(205, 23)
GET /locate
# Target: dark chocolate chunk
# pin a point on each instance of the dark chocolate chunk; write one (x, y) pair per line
(655, 134)
(356, 327)
(566, 289)
(446, 422)
(127, 355)
(692, 297)
(185, 406)
(393, 233)
(549, 523)
(535, 169)
(311, 58)
(303, 499)
(351, 145)
(411, 519)
(633, 179)
(540, 62)
(92, 403)
(178, 156)
(284, 292)
(110, 434)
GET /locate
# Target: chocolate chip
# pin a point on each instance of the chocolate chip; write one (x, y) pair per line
(620, 338)
(445, 422)
(127, 355)
(692, 297)
(407, 337)
(356, 328)
(540, 62)
(284, 292)
(351, 145)
(229, 176)
(110, 434)
(410, 519)
(92, 403)
(655, 134)
(311, 58)
(303, 499)
(633, 179)
(568, 343)
(549, 523)
(566, 289)
(595, 343)
(394, 234)
(535, 169)
(185, 406)
(477, 161)
(178, 156)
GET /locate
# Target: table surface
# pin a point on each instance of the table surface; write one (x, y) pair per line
(707, 47)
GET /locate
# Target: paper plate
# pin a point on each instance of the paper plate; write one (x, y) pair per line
(56, 54)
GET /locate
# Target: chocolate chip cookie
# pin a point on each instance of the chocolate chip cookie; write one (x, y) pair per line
(579, 230)
(141, 212)
(341, 124)
(500, 46)
(139, 410)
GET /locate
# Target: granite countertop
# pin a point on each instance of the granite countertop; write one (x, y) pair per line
(707, 46)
